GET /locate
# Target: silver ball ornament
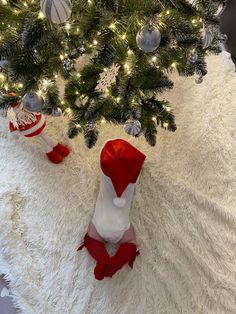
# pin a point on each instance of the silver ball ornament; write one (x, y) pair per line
(56, 112)
(199, 79)
(132, 127)
(33, 102)
(90, 125)
(57, 11)
(68, 64)
(148, 39)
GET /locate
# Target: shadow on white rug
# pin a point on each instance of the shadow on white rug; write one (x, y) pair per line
(184, 213)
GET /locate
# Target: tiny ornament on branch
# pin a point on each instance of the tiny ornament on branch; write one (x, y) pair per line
(57, 11)
(90, 125)
(193, 56)
(68, 64)
(148, 38)
(207, 37)
(33, 102)
(107, 78)
(133, 127)
(199, 79)
(56, 112)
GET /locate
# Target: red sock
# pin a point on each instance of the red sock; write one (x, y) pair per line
(61, 150)
(98, 251)
(54, 157)
(126, 253)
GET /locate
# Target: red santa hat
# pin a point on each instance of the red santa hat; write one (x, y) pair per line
(122, 163)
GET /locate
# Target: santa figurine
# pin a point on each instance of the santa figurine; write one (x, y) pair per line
(32, 124)
(121, 164)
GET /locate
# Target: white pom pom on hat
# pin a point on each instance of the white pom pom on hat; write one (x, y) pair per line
(119, 202)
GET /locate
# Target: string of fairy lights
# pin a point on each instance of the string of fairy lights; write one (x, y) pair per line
(128, 64)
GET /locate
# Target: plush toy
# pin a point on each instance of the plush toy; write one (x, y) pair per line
(32, 124)
(121, 164)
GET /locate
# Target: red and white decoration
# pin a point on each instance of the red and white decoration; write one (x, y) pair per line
(121, 164)
(32, 124)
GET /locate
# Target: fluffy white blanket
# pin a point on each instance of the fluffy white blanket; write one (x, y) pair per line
(184, 213)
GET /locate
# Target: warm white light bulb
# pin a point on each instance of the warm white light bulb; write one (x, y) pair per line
(41, 16)
(112, 26)
(174, 64)
(68, 26)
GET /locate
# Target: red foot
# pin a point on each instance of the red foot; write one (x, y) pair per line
(54, 157)
(126, 254)
(98, 251)
(61, 150)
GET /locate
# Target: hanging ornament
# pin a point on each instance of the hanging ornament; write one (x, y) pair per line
(90, 125)
(193, 57)
(56, 112)
(133, 127)
(33, 102)
(207, 37)
(68, 64)
(148, 38)
(199, 79)
(57, 11)
(107, 78)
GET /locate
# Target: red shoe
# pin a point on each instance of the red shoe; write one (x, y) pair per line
(126, 254)
(61, 150)
(54, 157)
(98, 251)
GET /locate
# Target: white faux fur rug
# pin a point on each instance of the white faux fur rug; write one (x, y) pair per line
(184, 213)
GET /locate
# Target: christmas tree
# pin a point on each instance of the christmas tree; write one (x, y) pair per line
(132, 45)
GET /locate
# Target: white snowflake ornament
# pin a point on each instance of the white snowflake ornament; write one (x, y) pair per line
(107, 78)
